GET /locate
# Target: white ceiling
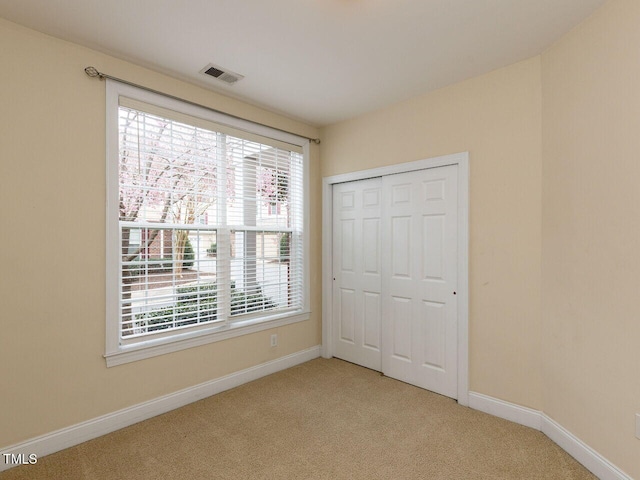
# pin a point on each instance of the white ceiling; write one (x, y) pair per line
(320, 61)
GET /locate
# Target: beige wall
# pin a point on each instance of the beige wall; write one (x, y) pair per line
(554, 263)
(591, 230)
(496, 118)
(52, 175)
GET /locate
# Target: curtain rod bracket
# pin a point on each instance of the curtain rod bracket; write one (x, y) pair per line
(93, 73)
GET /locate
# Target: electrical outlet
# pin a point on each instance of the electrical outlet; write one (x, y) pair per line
(274, 340)
(638, 425)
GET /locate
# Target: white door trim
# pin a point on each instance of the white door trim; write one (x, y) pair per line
(460, 159)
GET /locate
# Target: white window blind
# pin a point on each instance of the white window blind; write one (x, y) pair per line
(210, 224)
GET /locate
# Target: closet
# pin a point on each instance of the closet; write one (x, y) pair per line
(395, 274)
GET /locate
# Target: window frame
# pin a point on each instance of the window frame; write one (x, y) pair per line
(116, 352)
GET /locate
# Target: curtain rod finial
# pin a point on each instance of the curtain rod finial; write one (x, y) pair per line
(92, 72)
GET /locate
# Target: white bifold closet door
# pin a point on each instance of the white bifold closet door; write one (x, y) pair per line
(356, 270)
(395, 269)
(419, 279)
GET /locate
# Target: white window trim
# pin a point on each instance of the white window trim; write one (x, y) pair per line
(117, 354)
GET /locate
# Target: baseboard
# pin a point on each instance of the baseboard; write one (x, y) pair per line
(587, 456)
(509, 411)
(81, 432)
(583, 453)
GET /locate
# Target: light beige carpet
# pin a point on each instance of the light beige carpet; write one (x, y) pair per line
(325, 419)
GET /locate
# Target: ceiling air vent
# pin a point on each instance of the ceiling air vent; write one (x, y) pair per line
(221, 74)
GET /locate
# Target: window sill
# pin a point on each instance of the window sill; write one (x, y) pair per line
(153, 348)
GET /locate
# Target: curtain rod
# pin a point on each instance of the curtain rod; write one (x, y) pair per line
(94, 73)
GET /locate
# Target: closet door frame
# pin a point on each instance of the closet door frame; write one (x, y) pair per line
(462, 161)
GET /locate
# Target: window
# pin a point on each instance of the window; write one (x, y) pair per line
(206, 226)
